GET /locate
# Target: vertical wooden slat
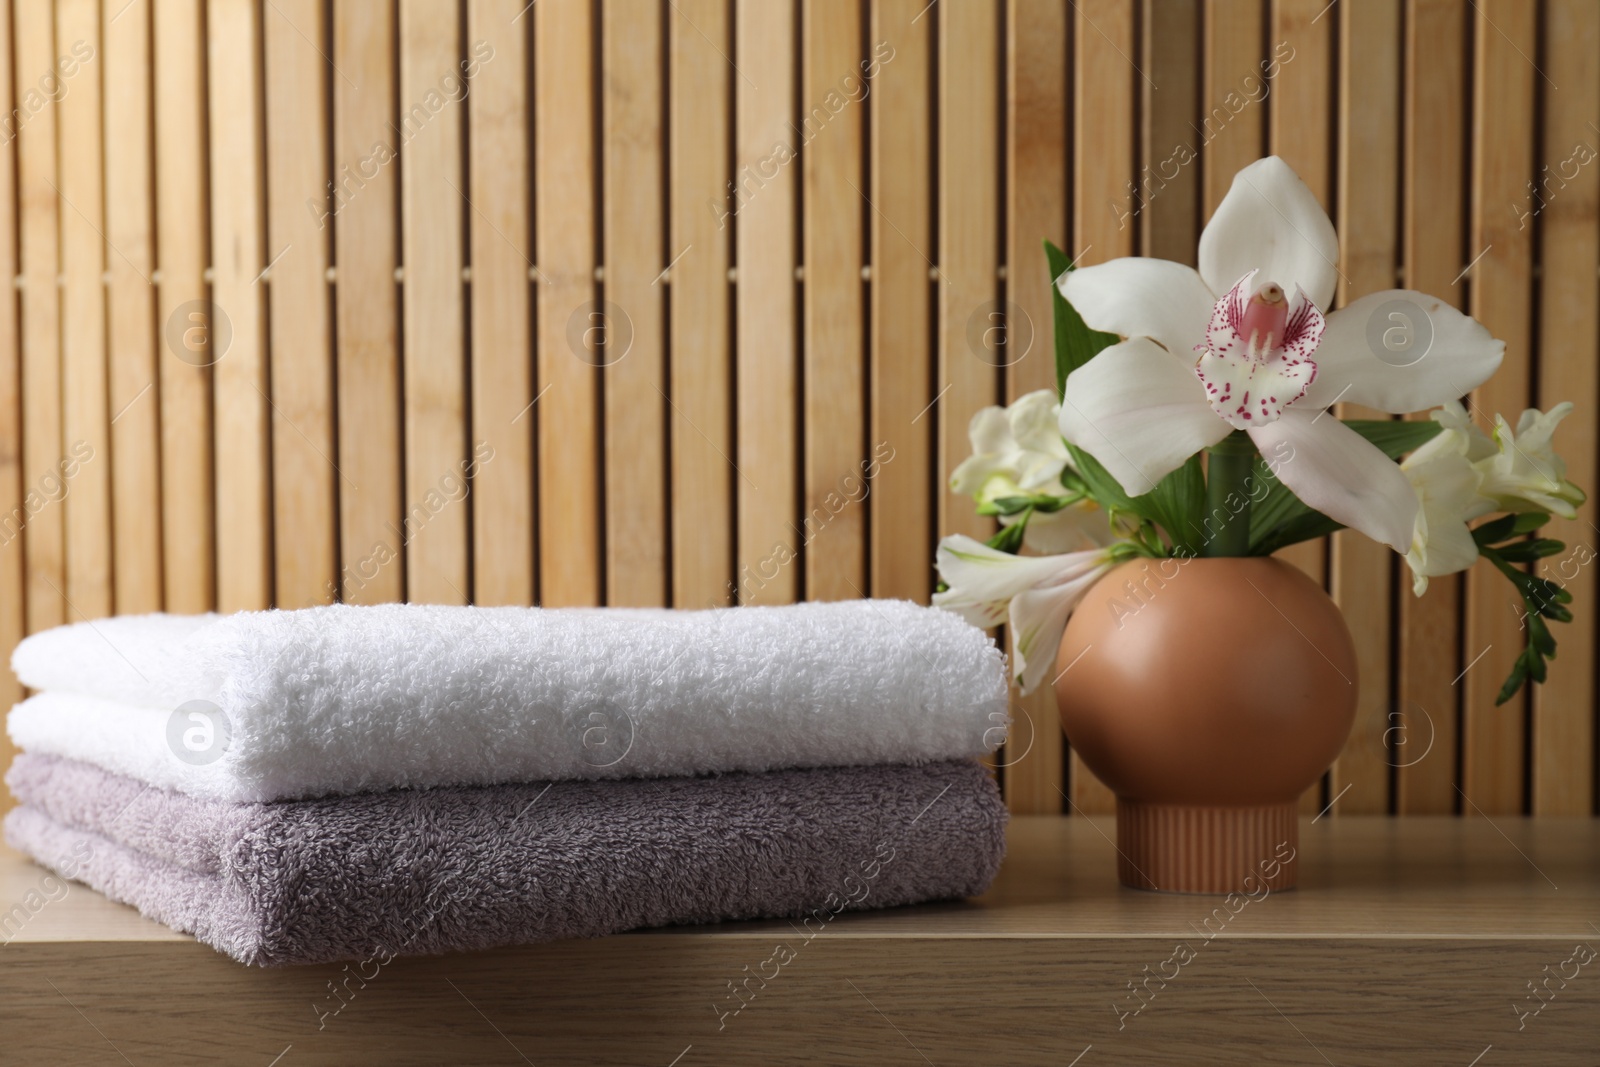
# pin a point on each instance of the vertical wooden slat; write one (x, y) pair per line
(833, 527)
(1036, 132)
(132, 351)
(502, 342)
(1500, 286)
(1233, 85)
(635, 379)
(1569, 354)
(1300, 111)
(38, 210)
(85, 420)
(1434, 254)
(1164, 204)
(1105, 148)
(239, 383)
(183, 311)
(704, 480)
(304, 475)
(969, 205)
(761, 210)
(1300, 130)
(430, 127)
(900, 57)
(1368, 217)
(570, 536)
(13, 510)
(360, 206)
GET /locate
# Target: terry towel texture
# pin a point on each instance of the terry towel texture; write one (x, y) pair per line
(429, 871)
(344, 699)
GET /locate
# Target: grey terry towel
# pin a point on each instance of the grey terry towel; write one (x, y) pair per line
(429, 871)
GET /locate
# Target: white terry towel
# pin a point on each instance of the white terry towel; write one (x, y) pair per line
(273, 705)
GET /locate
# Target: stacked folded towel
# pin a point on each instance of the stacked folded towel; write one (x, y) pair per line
(343, 782)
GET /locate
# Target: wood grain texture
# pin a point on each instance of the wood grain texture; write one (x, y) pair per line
(1368, 224)
(360, 207)
(1500, 288)
(131, 346)
(38, 225)
(571, 541)
(431, 124)
(183, 309)
(761, 208)
(500, 231)
(13, 501)
(1233, 86)
(705, 477)
(240, 402)
(1427, 917)
(1165, 200)
(1107, 89)
(86, 422)
(634, 359)
(305, 501)
(1569, 369)
(833, 525)
(1300, 129)
(1433, 254)
(902, 389)
(1037, 102)
(797, 388)
(972, 351)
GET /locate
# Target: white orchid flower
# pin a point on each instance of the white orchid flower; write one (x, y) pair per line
(1524, 473)
(1018, 451)
(1271, 361)
(1033, 594)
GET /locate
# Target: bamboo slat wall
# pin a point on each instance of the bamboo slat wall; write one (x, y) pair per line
(631, 302)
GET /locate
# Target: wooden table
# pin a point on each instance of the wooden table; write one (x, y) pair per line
(1410, 941)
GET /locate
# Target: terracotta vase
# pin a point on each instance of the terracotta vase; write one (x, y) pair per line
(1209, 694)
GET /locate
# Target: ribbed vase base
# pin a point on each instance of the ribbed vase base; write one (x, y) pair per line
(1176, 848)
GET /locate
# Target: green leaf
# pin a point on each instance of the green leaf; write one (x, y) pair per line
(1542, 598)
(1009, 539)
(1529, 521)
(1492, 533)
(1532, 551)
(1106, 490)
(1395, 437)
(1177, 504)
(1513, 682)
(1076, 344)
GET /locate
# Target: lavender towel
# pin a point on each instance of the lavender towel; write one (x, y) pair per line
(430, 871)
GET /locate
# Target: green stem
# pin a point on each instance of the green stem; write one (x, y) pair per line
(1228, 473)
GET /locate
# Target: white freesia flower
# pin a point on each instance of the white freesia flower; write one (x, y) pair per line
(1270, 359)
(1463, 474)
(1018, 451)
(1015, 451)
(1447, 487)
(1033, 594)
(1525, 474)
(1460, 434)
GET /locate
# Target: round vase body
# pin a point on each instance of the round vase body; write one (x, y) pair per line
(1208, 694)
